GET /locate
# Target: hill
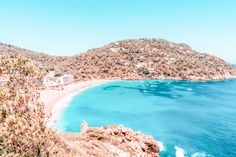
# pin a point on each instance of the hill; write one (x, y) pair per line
(134, 59)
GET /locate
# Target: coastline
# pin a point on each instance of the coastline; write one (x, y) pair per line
(55, 101)
(56, 105)
(117, 139)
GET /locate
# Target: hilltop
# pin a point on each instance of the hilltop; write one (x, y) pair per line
(134, 59)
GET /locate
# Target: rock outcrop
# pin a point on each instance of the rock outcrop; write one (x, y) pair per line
(134, 59)
(111, 141)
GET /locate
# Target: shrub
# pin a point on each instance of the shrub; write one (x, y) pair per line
(23, 130)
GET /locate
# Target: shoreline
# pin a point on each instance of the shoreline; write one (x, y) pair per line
(55, 101)
(51, 97)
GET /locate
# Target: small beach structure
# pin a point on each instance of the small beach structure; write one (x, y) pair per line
(65, 79)
(51, 80)
(2, 80)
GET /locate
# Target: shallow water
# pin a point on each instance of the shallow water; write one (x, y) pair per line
(196, 117)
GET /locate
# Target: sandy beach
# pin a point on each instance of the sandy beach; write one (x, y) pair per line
(55, 98)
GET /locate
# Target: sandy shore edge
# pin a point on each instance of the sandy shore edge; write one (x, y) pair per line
(55, 101)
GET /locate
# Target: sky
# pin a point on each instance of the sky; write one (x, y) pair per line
(67, 27)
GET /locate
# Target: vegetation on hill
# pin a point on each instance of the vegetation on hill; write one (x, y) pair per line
(135, 59)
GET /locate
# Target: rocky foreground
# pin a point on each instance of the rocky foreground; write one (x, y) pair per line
(111, 141)
(135, 59)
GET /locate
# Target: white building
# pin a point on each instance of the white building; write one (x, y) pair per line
(51, 73)
(50, 80)
(2, 80)
(65, 79)
(140, 65)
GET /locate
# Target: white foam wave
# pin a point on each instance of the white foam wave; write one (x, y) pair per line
(161, 146)
(201, 154)
(57, 110)
(198, 154)
(180, 152)
(189, 89)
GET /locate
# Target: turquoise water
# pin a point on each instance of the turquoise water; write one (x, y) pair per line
(199, 117)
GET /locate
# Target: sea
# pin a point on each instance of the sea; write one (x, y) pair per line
(189, 119)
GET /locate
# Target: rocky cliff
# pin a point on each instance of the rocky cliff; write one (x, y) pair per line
(111, 141)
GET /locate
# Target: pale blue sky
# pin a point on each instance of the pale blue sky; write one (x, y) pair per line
(66, 27)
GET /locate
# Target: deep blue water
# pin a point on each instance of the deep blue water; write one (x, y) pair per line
(199, 117)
